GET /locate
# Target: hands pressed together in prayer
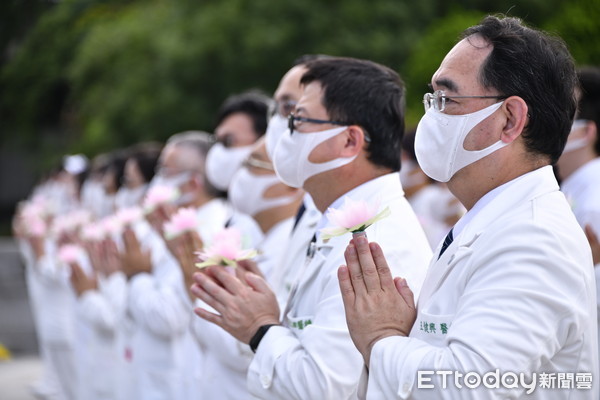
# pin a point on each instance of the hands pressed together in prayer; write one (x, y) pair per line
(184, 248)
(243, 299)
(377, 305)
(134, 260)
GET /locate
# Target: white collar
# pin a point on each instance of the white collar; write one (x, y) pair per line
(484, 201)
(365, 191)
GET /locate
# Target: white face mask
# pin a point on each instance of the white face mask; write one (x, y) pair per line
(127, 197)
(247, 190)
(439, 142)
(275, 130)
(576, 144)
(174, 181)
(222, 163)
(291, 156)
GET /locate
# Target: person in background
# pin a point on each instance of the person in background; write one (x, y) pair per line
(240, 122)
(138, 172)
(511, 289)
(579, 164)
(343, 142)
(112, 179)
(256, 191)
(285, 98)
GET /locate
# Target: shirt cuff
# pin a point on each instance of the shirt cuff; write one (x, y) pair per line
(276, 342)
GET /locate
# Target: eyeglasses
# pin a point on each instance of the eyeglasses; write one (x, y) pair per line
(256, 163)
(438, 99)
(284, 107)
(293, 119)
(293, 125)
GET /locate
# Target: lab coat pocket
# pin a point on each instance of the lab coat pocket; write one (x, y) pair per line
(432, 328)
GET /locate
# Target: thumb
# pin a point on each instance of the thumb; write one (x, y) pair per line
(405, 292)
(257, 283)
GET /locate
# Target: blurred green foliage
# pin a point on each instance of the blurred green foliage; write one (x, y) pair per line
(98, 74)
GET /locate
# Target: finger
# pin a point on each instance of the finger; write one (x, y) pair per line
(405, 292)
(250, 266)
(354, 269)
(130, 240)
(369, 270)
(216, 292)
(385, 274)
(76, 270)
(198, 244)
(257, 283)
(228, 281)
(208, 316)
(206, 297)
(348, 295)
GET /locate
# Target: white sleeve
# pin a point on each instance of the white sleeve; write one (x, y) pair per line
(518, 308)
(93, 307)
(158, 306)
(319, 363)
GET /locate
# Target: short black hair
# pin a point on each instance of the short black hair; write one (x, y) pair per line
(146, 155)
(254, 104)
(538, 68)
(116, 165)
(589, 98)
(364, 93)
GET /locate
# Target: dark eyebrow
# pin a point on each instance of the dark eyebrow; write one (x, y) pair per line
(448, 84)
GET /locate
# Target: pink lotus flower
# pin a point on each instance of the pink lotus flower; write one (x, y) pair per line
(184, 220)
(112, 225)
(130, 215)
(158, 195)
(353, 216)
(226, 250)
(36, 227)
(93, 232)
(70, 222)
(70, 253)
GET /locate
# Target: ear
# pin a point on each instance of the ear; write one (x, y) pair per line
(354, 141)
(591, 131)
(516, 112)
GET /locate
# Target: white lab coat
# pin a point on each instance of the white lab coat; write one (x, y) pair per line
(291, 261)
(514, 291)
(582, 190)
(104, 363)
(226, 359)
(60, 330)
(166, 358)
(312, 356)
(160, 338)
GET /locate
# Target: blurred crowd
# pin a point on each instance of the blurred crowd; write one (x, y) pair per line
(111, 244)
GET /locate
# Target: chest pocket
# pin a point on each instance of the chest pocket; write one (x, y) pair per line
(431, 328)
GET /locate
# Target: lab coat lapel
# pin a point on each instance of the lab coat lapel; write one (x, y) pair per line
(524, 189)
(312, 265)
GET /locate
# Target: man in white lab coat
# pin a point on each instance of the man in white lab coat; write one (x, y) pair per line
(342, 142)
(508, 308)
(255, 190)
(166, 358)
